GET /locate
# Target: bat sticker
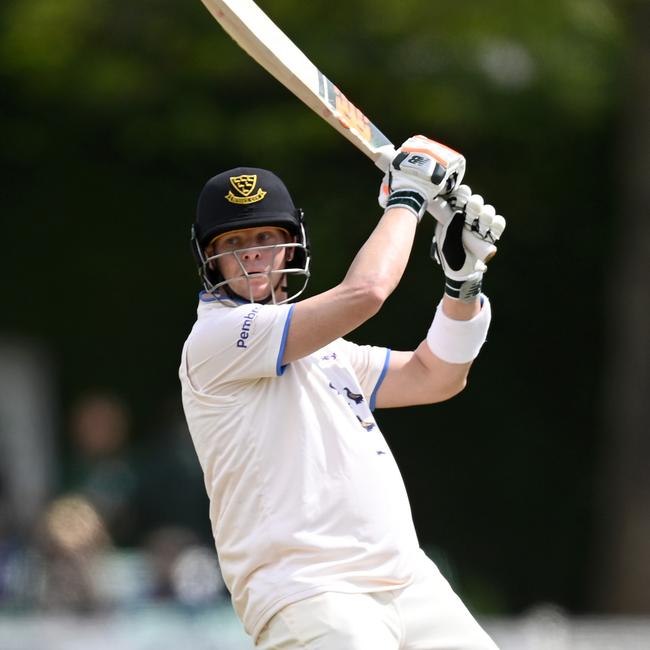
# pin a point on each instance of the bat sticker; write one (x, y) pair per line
(349, 115)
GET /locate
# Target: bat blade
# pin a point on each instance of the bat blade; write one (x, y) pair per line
(263, 41)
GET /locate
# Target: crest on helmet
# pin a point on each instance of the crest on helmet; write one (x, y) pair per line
(244, 186)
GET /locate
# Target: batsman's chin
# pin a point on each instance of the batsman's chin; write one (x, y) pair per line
(255, 289)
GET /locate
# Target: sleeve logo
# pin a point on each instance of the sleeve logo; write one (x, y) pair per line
(244, 186)
(245, 331)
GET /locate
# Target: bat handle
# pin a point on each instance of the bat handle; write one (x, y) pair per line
(383, 156)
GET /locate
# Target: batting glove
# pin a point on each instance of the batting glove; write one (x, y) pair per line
(420, 170)
(464, 242)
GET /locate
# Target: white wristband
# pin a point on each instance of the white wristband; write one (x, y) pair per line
(459, 341)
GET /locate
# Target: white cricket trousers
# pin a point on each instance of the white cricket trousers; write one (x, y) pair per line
(426, 615)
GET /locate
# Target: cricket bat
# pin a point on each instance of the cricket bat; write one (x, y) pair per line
(262, 40)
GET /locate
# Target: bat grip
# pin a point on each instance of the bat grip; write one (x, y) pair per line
(383, 156)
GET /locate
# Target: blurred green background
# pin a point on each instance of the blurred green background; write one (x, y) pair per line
(534, 484)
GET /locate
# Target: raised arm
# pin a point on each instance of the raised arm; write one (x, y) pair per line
(466, 232)
(421, 170)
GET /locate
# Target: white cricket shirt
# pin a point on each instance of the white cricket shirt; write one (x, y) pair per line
(305, 495)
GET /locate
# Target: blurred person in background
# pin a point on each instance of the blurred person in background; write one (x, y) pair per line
(100, 464)
(93, 509)
(167, 466)
(72, 540)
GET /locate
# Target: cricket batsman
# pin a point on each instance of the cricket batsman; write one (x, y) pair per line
(309, 512)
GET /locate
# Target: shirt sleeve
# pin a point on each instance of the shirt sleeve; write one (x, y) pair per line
(241, 343)
(370, 364)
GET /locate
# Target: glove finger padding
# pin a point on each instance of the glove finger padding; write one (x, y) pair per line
(481, 250)
(497, 227)
(466, 231)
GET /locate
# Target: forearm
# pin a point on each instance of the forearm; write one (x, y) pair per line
(438, 368)
(442, 379)
(372, 276)
(381, 261)
(459, 310)
(452, 343)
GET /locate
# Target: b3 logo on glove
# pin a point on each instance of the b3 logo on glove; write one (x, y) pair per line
(431, 161)
(417, 161)
(420, 171)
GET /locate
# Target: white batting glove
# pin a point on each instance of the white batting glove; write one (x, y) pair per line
(464, 242)
(420, 170)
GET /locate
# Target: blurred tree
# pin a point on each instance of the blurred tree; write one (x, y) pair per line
(623, 572)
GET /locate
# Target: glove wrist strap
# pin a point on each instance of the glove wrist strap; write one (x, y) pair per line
(464, 290)
(409, 199)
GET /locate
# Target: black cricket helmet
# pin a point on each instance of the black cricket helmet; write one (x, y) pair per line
(248, 197)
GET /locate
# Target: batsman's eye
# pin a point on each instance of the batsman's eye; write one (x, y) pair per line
(267, 238)
(229, 243)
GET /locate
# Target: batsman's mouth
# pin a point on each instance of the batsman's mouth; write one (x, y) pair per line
(257, 272)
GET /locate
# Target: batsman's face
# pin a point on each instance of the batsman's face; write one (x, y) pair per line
(251, 259)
